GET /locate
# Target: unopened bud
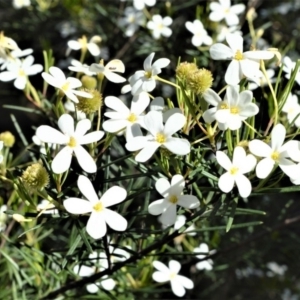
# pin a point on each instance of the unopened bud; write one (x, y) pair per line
(90, 105)
(8, 138)
(35, 177)
(19, 218)
(89, 82)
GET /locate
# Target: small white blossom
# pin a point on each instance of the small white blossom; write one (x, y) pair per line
(160, 26)
(204, 264)
(235, 170)
(132, 20)
(12, 57)
(109, 70)
(200, 34)
(172, 194)
(276, 269)
(145, 80)
(77, 66)
(6, 44)
(3, 217)
(224, 10)
(17, 4)
(180, 221)
(72, 139)
(261, 80)
(231, 111)
(46, 207)
(274, 154)
(98, 265)
(122, 118)
(242, 63)
(140, 4)
(19, 71)
(223, 30)
(164, 274)
(100, 214)
(159, 136)
(83, 44)
(68, 85)
(292, 108)
(288, 68)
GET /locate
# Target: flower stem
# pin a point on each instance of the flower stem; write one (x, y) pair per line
(167, 82)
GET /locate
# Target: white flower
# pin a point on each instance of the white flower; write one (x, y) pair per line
(276, 269)
(292, 108)
(19, 71)
(20, 3)
(178, 282)
(231, 111)
(66, 85)
(224, 10)
(109, 70)
(200, 34)
(223, 30)
(132, 20)
(46, 207)
(159, 26)
(261, 80)
(1, 147)
(242, 63)
(12, 57)
(276, 153)
(42, 146)
(180, 221)
(145, 80)
(140, 4)
(122, 118)
(204, 264)
(84, 45)
(159, 136)
(77, 66)
(158, 104)
(3, 217)
(100, 214)
(172, 194)
(241, 164)
(73, 141)
(6, 44)
(83, 271)
(288, 67)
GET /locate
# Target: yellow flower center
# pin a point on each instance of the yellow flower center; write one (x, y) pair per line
(160, 138)
(65, 87)
(22, 73)
(275, 156)
(83, 42)
(173, 199)
(224, 105)
(173, 275)
(72, 142)
(132, 118)
(234, 110)
(98, 207)
(233, 170)
(148, 74)
(238, 55)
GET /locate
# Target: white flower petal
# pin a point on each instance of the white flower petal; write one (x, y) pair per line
(233, 73)
(177, 185)
(264, 167)
(178, 146)
(82, 127)
(91, 137)
(220, 51)
(157, 207)
(85, 160)
(113, 77)
(113, 195)
(186, 282)
(243, 185)
(62, 161)
(66, 124)
(147, 152)
(160, 277)
(96, 226)
(188, 201)
(77, 206)
(117, 105)
(115, 220)
(161, 267)
(163, 186)
(168, 217)
(87, 189)
(174, 266)
(259, 148)
(177, 288)
(277, 136)
(174, 124)
(226, 182)
(223, 160)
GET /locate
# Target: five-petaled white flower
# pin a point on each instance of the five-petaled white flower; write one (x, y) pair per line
(109, 70)
(68, 85)
(200, 34)
(172, 194)
(178, 282)
(122, 118)
(17, 4)
(100, 214)
(145, 80)
(6, 44)
(292, 108)
(204, 264)
(132, 20)
(84, 45)
(12, 57)
(99, 265)
(19, 70)
(159, 136)
(242, 63)
(159, 26)
(73, 141)
(276, 153)
(224, 10)
(140, 4)
(77, 66)
(241, 164)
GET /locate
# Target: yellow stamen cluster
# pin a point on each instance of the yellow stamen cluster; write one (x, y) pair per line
(72, 142)
(275, 156)
(173, 199)
(98, 207)
(233, 170)
(160, 138)
(132, 118)
(238, 55)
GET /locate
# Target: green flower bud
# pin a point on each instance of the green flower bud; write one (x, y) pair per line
(35, 177)
(90, 105)
(89, 82)
(199, 81)
(8, 138)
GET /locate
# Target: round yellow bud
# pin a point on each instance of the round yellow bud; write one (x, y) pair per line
(184, 69)
(8, 138)
(89, 82)
(35, 177)
(199, 81)
(90, 105)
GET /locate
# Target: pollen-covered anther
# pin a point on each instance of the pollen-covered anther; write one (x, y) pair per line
(160, 138)
(275, 156)
(72, 142)
(234, 110)
(132, 118)
(98, 207)
(173, 199)
(238, 55)
(233, 170)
